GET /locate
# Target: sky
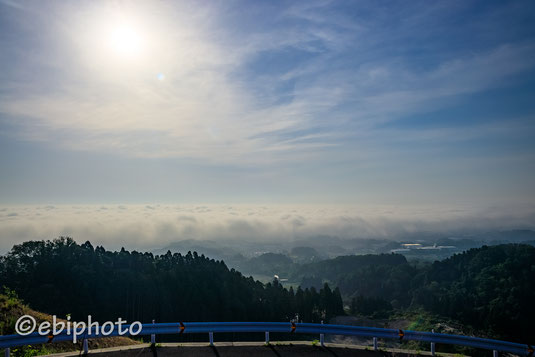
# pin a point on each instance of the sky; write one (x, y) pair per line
(419, 106)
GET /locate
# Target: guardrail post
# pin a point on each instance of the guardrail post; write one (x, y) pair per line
(7, 352)
(375, 345)
(267, 337)
(153, 336)
(211, 336)
(495, 353)
(432, 345)
(86, 349)
(322, 337)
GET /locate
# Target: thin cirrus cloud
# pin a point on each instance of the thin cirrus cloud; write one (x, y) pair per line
(309, 79)
(301, 102)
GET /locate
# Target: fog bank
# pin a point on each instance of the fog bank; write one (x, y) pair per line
(154, 226)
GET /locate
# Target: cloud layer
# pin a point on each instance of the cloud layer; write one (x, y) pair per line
(154, 226)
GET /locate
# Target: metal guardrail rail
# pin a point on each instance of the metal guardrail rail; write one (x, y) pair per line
(153, 329)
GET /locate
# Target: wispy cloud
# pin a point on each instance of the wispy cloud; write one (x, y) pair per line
(318, 101)
(213, 106)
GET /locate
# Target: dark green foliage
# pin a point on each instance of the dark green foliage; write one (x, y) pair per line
(311, 281)
(490, 288)
(383, 275)
(268, 264)
(61, 277)
(370, 306)
(333, 268)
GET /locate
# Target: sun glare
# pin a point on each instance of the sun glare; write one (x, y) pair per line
(126, 42)
(121, 43)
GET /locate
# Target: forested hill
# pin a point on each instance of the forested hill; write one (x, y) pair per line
(332, 268)
(372, 275)
(491, 288)
(62, 277)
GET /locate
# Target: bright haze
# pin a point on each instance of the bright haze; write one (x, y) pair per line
(145, 122)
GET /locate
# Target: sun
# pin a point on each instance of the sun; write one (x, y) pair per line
(121, 44)
(126, 42)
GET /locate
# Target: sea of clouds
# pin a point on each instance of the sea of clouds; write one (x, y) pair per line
(154, 226)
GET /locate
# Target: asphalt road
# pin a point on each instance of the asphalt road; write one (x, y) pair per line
(246, 349)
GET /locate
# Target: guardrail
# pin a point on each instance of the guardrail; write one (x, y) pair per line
(9, 341)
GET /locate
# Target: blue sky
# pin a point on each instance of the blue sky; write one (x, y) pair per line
(313, 102)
